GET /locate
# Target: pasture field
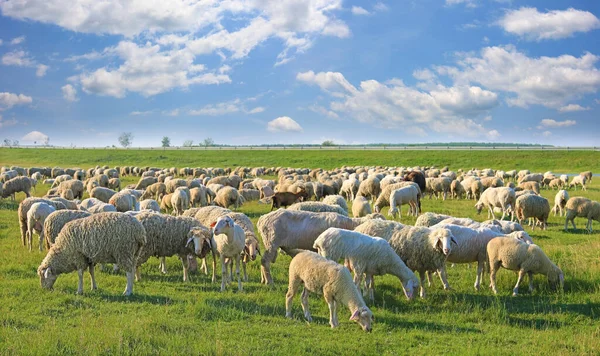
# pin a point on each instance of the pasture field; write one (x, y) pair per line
(167, 316)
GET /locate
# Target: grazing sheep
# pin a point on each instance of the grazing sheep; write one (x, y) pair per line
(584, 208)
(535, 177)
(290, 230)
(535, 186)
(150, 204)
(349, 188)
(198, 196)
(384, 198)
(318, 207)
(173, 184)
(145, 182)
(102, 194)
(416, 177)
(285, 199)
(560, 201)
(165, 203)
(502, 197)
(435, 186)
(169, 235)
(456, 190)
(36, 216)
(424, 250)
(319, 275)
(228, 196)
(475, 189)
(88, 203)
(101, 238)
(516, 255)
(588, 175)
(430, 219)
(492, 182)
(336, 200)
(250, 194)
(114, 183)
(60, 179)
(55, 222)
(179, 201)
(533, 206)
(24, 208)
(361, 207)
(384, 229)
(504, 226)
(102, 208)
(578, 180)
(369, 188)
(123, 201)
(368, 255)
(230, 242)
(15, 185)
(555, 183)
(406, 195)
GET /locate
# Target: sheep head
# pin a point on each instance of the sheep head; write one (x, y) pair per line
(442, 240)
(364, 317)
(47, 278)
(200, 238)
(222, 225)
(479, 207)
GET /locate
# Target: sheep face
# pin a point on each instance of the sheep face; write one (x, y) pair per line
(222, 225)
(409, 289)
(47, 278)
(556, 279)
(201, 240)
(479, 207)
(364, 317)
(251, 249)
(443, 240)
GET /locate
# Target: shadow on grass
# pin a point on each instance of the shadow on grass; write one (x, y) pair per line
(135, 298)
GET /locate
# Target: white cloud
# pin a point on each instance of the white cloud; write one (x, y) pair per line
(493, 134)
(468, 3)
(216, 109)
(550, 123)
(572, 108)
(380, 7)
(283, 123)
(257, 110)
(324, 112)
(547, 81)
(174, 112)
(35, 136)
(1, 42)
(546, 133)
(41, 70)
(357, 10)
(69, 93)
(530, 24)
(487, 118)
(8, 100)
(6, 123)
(17, 58)
(17, 40)
(141, 113)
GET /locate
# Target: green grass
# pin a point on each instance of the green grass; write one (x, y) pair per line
(168, 316)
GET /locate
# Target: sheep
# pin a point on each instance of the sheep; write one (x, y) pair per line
(102, 194)
(516, 255)
(114, 183)
(438, 185)
(360, 207)
(145, 182)
(169, 235)
(36, 216)
(61, 178)
(88, 203)
(336, 200)
(502, 197)
(492, 182)
(535, 186)
(179, 201)
(535, 177)
(581, 207)
(173, 184)
(318, 207)
(101, 238)
(155, 191)
(533, 206)
(418, 178)
(230, 242)
(588, 175)
(369, 188)
(24, 208)
(560, 201)
(322, 276)
(384, 229)
(55, 222)
(475, 189)
(198, 196)
(555, 183)
(578, 180)
(102, 208)
(165, 203)
(367, 255)
(424, 250)
(285, 199)
(228, 196)
(290, 230)
(405, 195)
(349, 188)
(430, 219)
(456, 190)
(503, 226)
(249, 194)
(16, 185)
(123, 201)
(384, 197)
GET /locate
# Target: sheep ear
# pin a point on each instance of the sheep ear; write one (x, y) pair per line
(230, 222)
(355, 315)
(47, 272)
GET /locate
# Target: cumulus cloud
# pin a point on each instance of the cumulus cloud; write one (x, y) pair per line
(467, 3)
(283, 123)
(17, 40)
(530, 24)
(572, 108)
(380, 7)
(69, 93)
(357, 10)
(8, 100)
(550, 123)
(256, 110)
(35, 136)
(324, 112)
(17, 58)
(141, 113)
(41, 70)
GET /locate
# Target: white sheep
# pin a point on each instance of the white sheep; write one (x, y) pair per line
(350, 188)
(318, 207)
(533, 206)
(319, 275)
(361, 207)
(582, 207)
(368, 255)
(516, 255)
(504, 226)
(179, 201)
(230, 242)
(429, 219)
(578, 180)
(501, 197)
(36, 216)
(336, 200)
(560, 201)
(406, 195)
(149, 204)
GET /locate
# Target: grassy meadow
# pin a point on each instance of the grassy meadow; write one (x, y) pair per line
(167, 316)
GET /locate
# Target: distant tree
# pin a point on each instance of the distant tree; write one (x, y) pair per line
(208, 142)
(166, 142)
(15, 143)
(188, 143)
(328, 143)
(7, 142)
(125, 139)
(47, 141)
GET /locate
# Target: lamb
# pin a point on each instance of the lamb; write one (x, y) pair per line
(290, 230)
(55, 222)
(168, 235)
(502, 197)
(582, 207)
(336, 200)
(361, 207)
(424, 250)
(149, 204)
(577, 180)
(36, 216)
(318, 207)
(533, 206)
(228, 196)
(123, 201)
(369, 188)
(15, 185)
(322, 276)
(179, 201)
(430, 219)
(516, 255)
(230, 242)
(285, 199)
(102, 194)
(101, 238)
(560, 201)
(535, 186)
(406, 195)
(367, 255)
(24, 208)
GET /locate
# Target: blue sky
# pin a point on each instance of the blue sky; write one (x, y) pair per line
(80, 72)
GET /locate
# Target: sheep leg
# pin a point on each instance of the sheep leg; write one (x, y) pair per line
(223, 273)
(204, 267)
(184, 262)
(428, 278)
(371, 286)
(422, 291)
(479, 275)
(530, 275)
(289, 296)
(493, 269)
(237, 272)
(332, 310)
(42, 240)
(304, 299)
(519, 279)
(129, 286)
(163, 265)
(80, 283)
(265, 267)
(444, 278)
(245, 274)
(92, 277)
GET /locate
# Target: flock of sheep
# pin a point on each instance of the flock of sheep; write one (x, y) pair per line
(186, 213)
